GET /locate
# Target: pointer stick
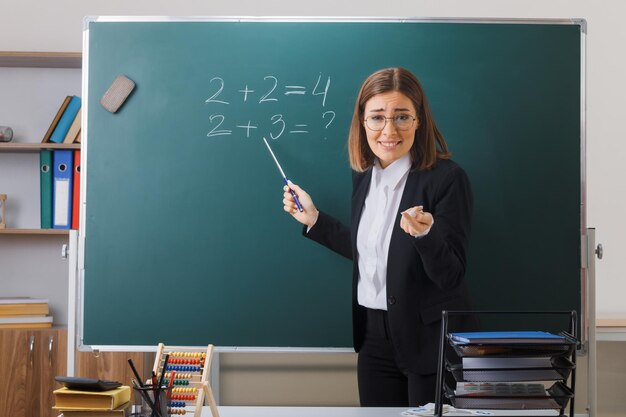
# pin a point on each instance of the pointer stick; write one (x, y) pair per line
(284, 176)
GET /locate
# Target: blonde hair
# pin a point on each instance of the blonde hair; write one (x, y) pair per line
(429, 144)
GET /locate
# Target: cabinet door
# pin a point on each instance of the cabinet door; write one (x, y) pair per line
(51, 349)
(16, 365)
(113, 365)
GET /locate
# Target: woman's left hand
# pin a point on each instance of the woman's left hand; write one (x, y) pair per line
(415, 221)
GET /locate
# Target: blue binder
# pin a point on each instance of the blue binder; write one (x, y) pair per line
(66, 120)
(62, 189)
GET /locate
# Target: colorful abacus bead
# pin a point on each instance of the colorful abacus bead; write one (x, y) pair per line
(184, 397)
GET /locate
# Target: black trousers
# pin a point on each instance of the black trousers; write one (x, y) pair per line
(383, 380)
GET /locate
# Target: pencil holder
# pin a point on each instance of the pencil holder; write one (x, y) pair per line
(153, 399)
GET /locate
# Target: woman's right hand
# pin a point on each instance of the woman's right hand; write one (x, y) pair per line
(309, 214)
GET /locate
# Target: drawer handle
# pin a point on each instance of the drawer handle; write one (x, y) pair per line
(50, 348)
(31, 350)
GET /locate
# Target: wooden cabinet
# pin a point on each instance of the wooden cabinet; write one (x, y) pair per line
(51, 362)
(113, 365)
(31, 358)
(29, 361)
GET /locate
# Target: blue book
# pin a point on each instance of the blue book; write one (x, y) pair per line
(66, 120)
(507, 337)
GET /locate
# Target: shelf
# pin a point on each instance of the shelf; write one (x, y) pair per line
(611, 329)
(610, 322)
(35, 147)
(41, 59)
(610, 334)
(34, 232)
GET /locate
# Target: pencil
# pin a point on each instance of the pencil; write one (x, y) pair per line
(132, 367)
(167, 357)
(158, 389)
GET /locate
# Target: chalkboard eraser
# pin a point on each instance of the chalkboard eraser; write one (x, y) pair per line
(117, 93)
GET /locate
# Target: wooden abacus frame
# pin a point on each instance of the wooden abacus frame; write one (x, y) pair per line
(202, 385)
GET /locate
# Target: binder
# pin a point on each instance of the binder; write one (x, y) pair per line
(62, 189)
(45, 188)
(66, 120)
(76, 191)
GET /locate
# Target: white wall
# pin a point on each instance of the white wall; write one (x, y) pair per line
(32, 25)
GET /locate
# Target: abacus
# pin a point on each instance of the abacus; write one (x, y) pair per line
(191, 367)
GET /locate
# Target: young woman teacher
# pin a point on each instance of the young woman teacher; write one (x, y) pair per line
(408, 239)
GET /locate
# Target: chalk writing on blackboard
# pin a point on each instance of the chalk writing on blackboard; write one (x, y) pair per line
(265, 90)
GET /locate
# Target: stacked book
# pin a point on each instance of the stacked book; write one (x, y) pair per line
(65, 127)
(24, 312)
(82, 403)
(60, 169)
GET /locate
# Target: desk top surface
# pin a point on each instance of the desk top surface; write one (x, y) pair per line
(226, 411)
(239, 411)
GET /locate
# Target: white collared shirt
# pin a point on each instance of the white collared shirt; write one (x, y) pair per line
(380, 214)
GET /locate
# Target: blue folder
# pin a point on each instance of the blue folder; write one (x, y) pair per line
(62, 189)
(506, 337)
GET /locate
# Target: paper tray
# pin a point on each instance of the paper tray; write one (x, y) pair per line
(557, 398)
(560, 370)
(513, 350)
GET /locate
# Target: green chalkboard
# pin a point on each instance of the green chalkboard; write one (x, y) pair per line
(186, 241)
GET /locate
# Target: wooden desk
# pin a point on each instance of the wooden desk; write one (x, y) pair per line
(231, 411)
(226, 411)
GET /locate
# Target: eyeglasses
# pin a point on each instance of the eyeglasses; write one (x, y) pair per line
(400, 121)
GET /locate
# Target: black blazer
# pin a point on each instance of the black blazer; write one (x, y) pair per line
(424, 275)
